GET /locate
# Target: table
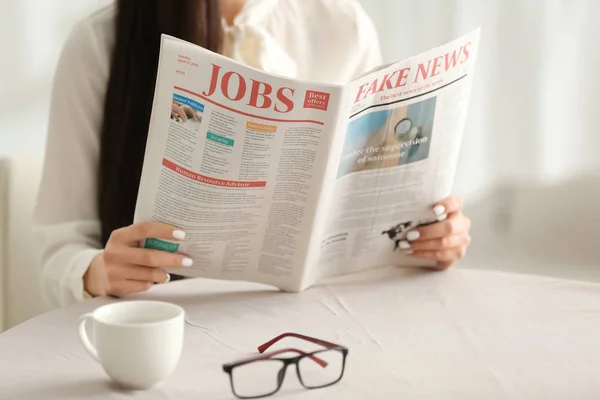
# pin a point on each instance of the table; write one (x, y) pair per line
(412, 334)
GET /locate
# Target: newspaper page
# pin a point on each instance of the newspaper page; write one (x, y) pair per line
(236, 157)
(285, 182)
(396, 159)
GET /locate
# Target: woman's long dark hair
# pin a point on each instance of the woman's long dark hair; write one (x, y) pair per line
(130, 92)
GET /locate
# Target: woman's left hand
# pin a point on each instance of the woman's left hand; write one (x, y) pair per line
(445, 241)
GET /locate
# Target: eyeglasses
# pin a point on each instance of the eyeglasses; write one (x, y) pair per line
(263, 375)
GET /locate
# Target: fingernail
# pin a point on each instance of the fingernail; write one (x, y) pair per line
(439, 210)
(404, 245)
(413, 235)
(179, 235)
(408, 252)
(167, 279)
(187, 262)
(442, 217)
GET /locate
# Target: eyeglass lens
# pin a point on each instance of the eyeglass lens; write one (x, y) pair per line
(313, 375)
(259, 378)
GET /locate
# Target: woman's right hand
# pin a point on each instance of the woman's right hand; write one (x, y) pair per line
(123, 268)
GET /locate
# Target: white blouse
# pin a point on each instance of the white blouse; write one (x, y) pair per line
(329, 41)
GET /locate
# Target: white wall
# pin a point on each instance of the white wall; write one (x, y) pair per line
(31, 35)
(533, 116)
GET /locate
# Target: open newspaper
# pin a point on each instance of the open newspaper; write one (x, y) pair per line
(285, 182)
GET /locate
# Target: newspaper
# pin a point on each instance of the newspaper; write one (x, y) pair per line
(285, 182)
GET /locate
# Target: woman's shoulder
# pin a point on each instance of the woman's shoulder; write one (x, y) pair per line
(92, 38)
(84, 60)
(102, 21)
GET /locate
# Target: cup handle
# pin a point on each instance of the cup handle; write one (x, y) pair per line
(83, 337)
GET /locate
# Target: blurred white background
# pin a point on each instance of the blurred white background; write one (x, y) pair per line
(528, 172)
(32, 33)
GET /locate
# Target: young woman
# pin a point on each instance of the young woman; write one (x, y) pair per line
(100, 112)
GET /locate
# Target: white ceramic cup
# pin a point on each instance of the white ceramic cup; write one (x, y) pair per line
(138, 343)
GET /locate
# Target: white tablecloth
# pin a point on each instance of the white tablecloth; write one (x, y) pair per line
(412, 335)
